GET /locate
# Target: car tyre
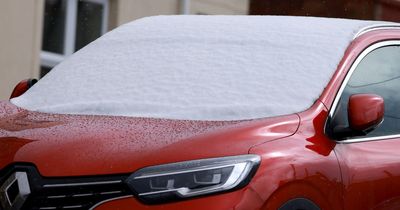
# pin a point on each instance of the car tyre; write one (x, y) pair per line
(299, 204)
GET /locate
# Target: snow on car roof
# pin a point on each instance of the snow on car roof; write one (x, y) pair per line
(198, 68)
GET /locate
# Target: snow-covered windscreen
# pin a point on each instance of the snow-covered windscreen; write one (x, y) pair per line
(198, 68)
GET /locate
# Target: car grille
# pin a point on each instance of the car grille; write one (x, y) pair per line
(69, 193)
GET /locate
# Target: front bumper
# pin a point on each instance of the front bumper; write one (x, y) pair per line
(243, 199)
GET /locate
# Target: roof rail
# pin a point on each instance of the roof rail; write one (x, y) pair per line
(376, 27)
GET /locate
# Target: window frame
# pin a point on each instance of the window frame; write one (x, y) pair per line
(50, 59)
(339, 93)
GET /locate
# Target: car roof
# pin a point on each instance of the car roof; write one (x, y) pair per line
(199, 68)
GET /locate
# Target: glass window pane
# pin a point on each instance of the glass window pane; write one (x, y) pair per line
(89, 23)
(53, 26)
(378, 73)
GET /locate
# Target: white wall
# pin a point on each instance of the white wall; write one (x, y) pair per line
(219, 7)
(20, 42)
(122, 11)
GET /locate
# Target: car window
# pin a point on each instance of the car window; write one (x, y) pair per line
(378, 73)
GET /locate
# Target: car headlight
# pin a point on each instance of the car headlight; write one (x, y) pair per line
(169, 182)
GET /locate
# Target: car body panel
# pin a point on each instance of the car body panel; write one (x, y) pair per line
(371, 169)
(355, 48)
(290, 168)
(68, 145)
(301, 166)
(371, 173)
(243, 199)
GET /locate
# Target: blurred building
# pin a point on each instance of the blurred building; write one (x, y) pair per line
(36, 35)
(354, 9)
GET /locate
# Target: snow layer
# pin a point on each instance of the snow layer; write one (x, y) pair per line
(198, 68)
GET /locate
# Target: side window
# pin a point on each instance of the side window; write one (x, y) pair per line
(377, 73)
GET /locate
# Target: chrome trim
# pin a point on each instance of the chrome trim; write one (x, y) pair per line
(376, 27)
(21, 178)
(184, 171)
(377, 138)
(56, 196)
(82, 195)
(354, 66)
(346, 80)
(111, 199)
(110, 192)
(82, 184)
(9, 184)
(242, 167)
(161, 191)
(239, 172)
(72, 207)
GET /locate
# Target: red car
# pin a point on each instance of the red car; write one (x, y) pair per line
(211, 112)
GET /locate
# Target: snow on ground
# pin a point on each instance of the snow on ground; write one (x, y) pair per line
(198, 68)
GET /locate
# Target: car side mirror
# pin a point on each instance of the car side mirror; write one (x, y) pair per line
(22, 87)
(365, 112)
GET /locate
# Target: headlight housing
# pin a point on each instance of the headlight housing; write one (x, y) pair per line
(169, 182)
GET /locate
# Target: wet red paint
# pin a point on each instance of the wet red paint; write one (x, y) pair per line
(59, 142)
(365, 111)
(22, 87)
(298, 159)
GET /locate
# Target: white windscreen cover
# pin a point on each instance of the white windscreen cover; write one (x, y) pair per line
(198, 68)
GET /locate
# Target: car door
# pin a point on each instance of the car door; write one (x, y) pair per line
(370, 164)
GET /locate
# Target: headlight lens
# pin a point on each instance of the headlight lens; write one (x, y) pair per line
(181, 180)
